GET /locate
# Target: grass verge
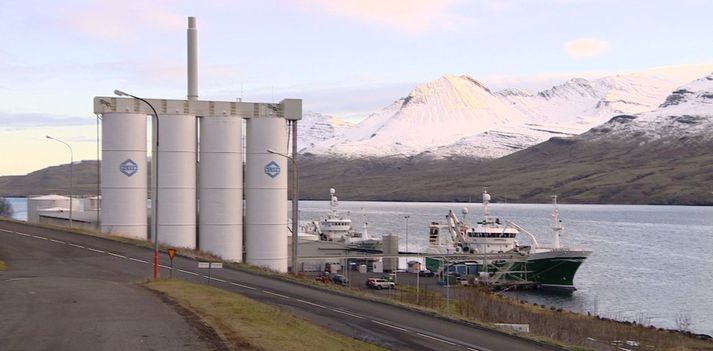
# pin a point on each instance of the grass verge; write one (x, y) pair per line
(245, 324)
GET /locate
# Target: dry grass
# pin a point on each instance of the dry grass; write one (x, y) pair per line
(249, 325)
(570, 328)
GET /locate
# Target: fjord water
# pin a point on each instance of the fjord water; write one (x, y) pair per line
(651, 264)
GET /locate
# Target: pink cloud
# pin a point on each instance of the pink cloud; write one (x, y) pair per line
(584, 48)
(121, 22)
(409, 16)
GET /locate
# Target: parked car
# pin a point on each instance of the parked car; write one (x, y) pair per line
(426, 273)
(340, 279)
(389, 277)
(378, 283)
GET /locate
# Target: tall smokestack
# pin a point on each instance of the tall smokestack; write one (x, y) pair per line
(192, 33)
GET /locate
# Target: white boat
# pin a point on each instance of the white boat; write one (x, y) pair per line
(338, 228)
(493, 244)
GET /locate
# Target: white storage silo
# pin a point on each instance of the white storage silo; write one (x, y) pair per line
(177, 181)
(124, 175)
(92, 203)
(390, 246)
(221, 187)
(266, 193)
(37, 203)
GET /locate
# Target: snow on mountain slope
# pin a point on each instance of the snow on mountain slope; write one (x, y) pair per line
(315, 128)
(685, 114)
(582, 104)
(458, 116)
(435, 114)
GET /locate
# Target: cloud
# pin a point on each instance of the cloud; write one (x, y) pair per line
(584, 48)
(409, 16)
(19, 121)
(122, 22)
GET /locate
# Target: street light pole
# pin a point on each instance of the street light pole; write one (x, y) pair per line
(295, 202)
(154, 201)
(71, 176)
(407, 217)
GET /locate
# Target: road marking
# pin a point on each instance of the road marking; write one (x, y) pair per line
(75, 245)
(23, 234)
(137, 260)
(5, 230)
(391, 326)
(348, 314)
(219, 280)
(162, 266)
(435, 338)
(243, 286)
(95, 250)
(187, 272)
(57, 241)
(473, 349)
(276, 294)
(39, 237)
(116, 255)
(311, 303)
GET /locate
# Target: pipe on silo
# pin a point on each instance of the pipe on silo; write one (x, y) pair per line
(124, 175)
(177, 181)
(221, 187)
(266, 193)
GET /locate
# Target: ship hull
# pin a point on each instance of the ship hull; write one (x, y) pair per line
(547, 269)
(550, 270)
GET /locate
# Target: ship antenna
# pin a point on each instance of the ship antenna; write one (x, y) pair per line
(556, 223)
(486, 202)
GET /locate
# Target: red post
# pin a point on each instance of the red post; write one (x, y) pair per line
(155, 264)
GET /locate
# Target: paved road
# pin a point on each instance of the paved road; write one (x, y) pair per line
(388, 326)
(58, 297)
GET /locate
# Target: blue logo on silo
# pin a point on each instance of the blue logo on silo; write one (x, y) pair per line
(272, 169)
(128, 167)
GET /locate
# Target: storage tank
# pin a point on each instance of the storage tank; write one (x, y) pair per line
(37, 203)
(124, 175)
(92, 203)
(221, 187)
(390, 244)
(266, 193)
(177, 181)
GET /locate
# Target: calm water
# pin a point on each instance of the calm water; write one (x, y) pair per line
(650, 263)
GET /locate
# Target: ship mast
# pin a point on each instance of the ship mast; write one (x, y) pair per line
(486, 201)
(333, 202)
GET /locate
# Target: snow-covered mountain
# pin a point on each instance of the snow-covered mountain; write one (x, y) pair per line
(459, 116)
(314, 128)
(685, 115)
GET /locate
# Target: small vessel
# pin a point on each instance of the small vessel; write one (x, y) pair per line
(491, 247)
(338, 228)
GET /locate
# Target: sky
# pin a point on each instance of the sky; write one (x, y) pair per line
(346, 58)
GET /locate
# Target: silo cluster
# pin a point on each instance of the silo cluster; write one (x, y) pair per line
(198, 171)
(217, 183)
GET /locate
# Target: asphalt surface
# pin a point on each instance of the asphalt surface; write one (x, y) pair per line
(75, 267)
(58, 297)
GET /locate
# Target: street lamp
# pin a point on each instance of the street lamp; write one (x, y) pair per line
(71, 176)
(295, 184)
(154, 201)
(407, 217)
